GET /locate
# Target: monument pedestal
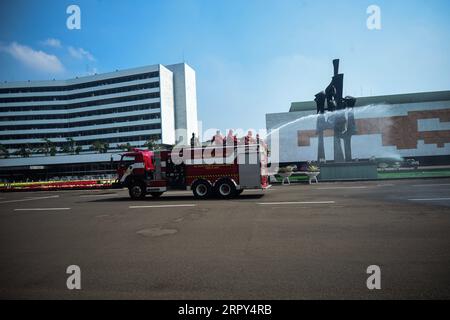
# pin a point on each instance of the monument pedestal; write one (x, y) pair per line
(348, 171)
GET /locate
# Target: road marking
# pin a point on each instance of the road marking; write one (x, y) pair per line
(287, 203)
(29, 199)
(163, 206)
(334, 188)
(431, 185)
(41, 209)
(98, 195)
(430, 199)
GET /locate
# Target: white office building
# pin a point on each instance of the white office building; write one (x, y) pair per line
(129, 106)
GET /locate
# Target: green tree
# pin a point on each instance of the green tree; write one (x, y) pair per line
(4, 152)
(100, 147)
(152, 144)
(78, 149)
(97, 146)
(53, 150)
(23, 152)
(126, 146)
(47, 147)
(105, 147)
(65, 148)
(69, 147)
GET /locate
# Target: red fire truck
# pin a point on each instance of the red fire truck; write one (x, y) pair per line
(223, 172)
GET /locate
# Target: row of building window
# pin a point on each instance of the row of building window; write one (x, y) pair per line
(115, 110)
(70, 106)
(88, 142)
(79, 171)
(90, 84)
(81, 123)
(150, 85)
(81, 133)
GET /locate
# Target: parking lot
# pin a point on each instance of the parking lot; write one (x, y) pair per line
(294, 242)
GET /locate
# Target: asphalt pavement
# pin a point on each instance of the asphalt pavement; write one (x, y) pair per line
(291, 242)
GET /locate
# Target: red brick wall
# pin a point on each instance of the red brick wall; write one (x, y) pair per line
(399, 131)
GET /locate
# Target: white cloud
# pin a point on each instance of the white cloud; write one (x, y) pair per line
(52, 42)
(80, 53)
(35, 59)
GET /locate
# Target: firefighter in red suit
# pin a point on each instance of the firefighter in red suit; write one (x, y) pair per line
(249, 138)
(217, 139)
(231, 138)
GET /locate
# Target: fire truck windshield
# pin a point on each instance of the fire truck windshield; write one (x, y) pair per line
(127, 160)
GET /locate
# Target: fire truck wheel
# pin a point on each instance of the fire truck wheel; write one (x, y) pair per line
(201, 189)
(137, 191)
(225, 189)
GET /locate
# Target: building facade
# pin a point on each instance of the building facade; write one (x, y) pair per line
(123, 107)
(396, 126)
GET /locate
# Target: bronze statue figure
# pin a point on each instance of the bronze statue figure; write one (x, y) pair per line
(343, 125)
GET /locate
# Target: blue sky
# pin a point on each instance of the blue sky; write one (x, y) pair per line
(252, 57)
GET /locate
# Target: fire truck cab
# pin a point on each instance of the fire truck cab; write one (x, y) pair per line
(207, 171)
